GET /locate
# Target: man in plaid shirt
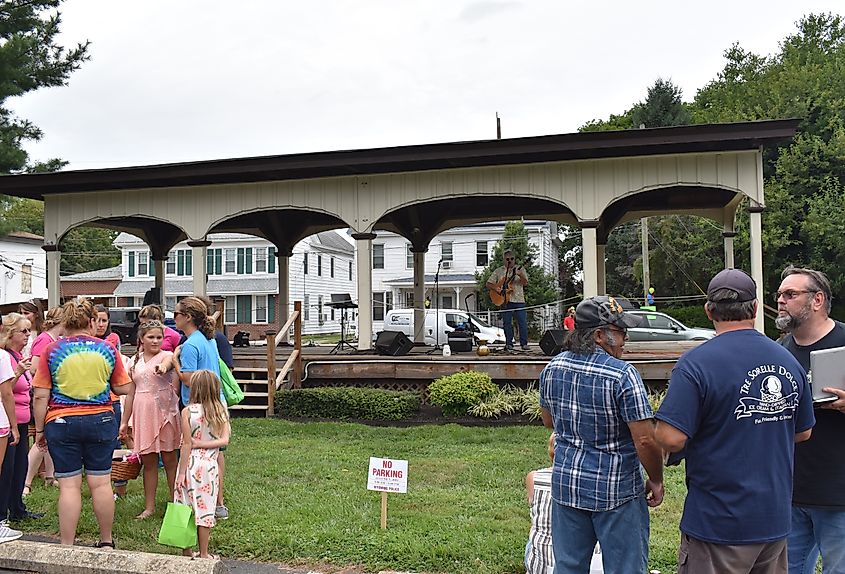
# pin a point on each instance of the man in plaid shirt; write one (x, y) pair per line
(598, 407)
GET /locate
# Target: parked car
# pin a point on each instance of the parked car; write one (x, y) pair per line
(124, 322)
(662, 327)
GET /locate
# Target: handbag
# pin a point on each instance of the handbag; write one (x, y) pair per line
(231, 389)
(178, 528)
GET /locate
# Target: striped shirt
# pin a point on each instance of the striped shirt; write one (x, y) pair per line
(591, 399)
(540, 557)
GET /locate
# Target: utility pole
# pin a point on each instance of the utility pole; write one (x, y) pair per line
(646, 274)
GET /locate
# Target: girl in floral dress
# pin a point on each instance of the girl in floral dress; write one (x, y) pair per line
(156, 427)
(205, 428)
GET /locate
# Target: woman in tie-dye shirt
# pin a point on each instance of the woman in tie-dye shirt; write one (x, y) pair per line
(75, 418)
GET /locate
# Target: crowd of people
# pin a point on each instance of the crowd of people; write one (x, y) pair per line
(765, 487)
(63, 378)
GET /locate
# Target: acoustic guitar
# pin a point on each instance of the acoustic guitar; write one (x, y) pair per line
(501, 292)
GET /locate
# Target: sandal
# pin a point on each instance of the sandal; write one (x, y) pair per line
(101, 544)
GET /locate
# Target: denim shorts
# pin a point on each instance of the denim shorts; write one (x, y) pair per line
(82, 441)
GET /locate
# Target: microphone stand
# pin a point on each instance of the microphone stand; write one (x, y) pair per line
(437, 346)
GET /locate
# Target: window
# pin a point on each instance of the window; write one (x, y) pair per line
(446, 251)
(388, 301)
(130, 266)
(261, 260)
(244, 260)
(331, 267)
(447, 302)
(261, 308)
(306, 307)
(409, 257)
(319, 265)
(481, 256)
(170, 266)
(26, 276)
(143, 264)
(378, 255)
(184, 262)
(229, 315)
(320, 316)
(305, 264)
(271, 260)
(229, 255)
(409, 300)
(331, 312)
(378, 306)
(245, 309)
(214, 261)
(350, 271)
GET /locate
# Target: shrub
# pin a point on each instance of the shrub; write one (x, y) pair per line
(455, 394)
(509, 400)
(347, 402)
(691, 315)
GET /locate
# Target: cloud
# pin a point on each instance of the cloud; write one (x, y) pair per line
(480, 10)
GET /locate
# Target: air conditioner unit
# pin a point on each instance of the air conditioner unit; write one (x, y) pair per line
(447, 265)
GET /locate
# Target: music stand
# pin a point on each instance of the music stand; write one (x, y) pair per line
(342, 301)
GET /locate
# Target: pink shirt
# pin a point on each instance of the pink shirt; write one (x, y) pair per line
(40, 343)
(171, 339)
(21, 388)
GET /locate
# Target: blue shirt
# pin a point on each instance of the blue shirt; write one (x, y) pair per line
(740, 398)
(197, 354)
(592, 398)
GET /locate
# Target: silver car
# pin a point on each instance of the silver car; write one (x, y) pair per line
(662, 327)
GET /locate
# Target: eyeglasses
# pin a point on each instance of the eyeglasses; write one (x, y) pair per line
(24, 331)
(175, 313)
(789, 294)
(618, 330)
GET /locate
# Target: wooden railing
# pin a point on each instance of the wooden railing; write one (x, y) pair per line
(293, 365)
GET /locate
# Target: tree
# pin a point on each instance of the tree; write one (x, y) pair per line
(30, 59)
(662, 107)
(541, 286)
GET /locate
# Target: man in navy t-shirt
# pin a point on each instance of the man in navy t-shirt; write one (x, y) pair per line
(736, 404)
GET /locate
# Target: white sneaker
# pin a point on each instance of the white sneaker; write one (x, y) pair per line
(8, 534)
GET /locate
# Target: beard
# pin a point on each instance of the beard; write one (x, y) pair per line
(788, 323)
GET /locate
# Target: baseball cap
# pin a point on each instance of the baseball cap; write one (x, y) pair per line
(603, 310)
(735, 280)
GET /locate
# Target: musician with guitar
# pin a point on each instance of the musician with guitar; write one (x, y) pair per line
(507, 290)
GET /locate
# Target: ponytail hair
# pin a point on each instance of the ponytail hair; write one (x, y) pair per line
(197, 311)
(54, 317)
(77, 314)
(151, 313)
(205, 391)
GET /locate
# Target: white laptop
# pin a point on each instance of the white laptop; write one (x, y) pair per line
(827, 368)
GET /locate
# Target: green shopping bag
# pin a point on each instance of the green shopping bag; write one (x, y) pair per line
(231, 389)
(178, 528)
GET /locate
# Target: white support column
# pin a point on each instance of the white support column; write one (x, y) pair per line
(755, 215)
(199, 253)
(158, 265)
(600, 269)
(589, 259)
(728, 238)
(419, 296)
(285, 308)
(364, 251)
(54, 284)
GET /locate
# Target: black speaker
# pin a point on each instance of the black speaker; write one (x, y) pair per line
(393, 343)
(552, 341)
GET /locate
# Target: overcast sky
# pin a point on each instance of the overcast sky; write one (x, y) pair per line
(181, 80)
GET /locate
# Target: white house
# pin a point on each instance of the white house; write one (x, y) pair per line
(23, 268)
(242, 270)
(461, 251)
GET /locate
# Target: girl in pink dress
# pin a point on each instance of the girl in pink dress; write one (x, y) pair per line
(205, 429)
(154, 409)
(171, 336)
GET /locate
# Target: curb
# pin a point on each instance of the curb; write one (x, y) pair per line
(47, 558)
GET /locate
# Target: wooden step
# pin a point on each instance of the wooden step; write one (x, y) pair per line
(243, 407)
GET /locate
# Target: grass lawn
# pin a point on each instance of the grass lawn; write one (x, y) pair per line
(297, 494)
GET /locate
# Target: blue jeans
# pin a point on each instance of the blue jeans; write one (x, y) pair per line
(815, 531)
(13, 476)
(82, 441)
(508, 311)
(621, 532)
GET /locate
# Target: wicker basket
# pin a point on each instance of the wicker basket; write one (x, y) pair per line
(123, 470)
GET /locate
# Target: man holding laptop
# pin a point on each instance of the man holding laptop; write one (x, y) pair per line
(818, 500)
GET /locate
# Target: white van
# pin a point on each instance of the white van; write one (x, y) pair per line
(403, 320)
